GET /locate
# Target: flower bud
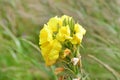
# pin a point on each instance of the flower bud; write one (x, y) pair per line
(76, 79)
(59, 70)
(75, 61)
(66, 52)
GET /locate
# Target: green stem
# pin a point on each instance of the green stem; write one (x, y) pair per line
(79, 56)
(52, 69)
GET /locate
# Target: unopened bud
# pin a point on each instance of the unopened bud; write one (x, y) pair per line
(75, 61)
(59, 70)
(76, 79)
(66, 52)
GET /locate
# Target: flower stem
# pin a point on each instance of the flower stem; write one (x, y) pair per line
(52, 69)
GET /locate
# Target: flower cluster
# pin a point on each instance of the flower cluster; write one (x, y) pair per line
(58, 37)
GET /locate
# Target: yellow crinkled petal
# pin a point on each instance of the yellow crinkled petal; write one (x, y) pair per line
(45, 35)
(46, 48)
(51, 51)
(53, 23)
(77, 38)
(79, 32)
(50, 62)
(64, 33)
(54, 53)
(79, 29)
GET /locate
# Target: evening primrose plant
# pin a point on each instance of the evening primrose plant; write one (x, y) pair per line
(59, 41)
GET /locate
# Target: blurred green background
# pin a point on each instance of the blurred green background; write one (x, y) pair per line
(21, 21)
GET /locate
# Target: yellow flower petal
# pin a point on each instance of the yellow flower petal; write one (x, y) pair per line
(54, 53)
(45, 35)
(79, 29)
(46, 48)
(50, 51)
(64, 33)
(77, 38)
(53, 23)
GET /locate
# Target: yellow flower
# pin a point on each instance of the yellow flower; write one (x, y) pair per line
(79, 29)
(45, 35)
(64, 33)
(78, 36)
(45, 48)
(50, 52)
(53, 23)
(53, 35)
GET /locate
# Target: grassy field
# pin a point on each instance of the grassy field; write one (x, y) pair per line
(21, 21)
